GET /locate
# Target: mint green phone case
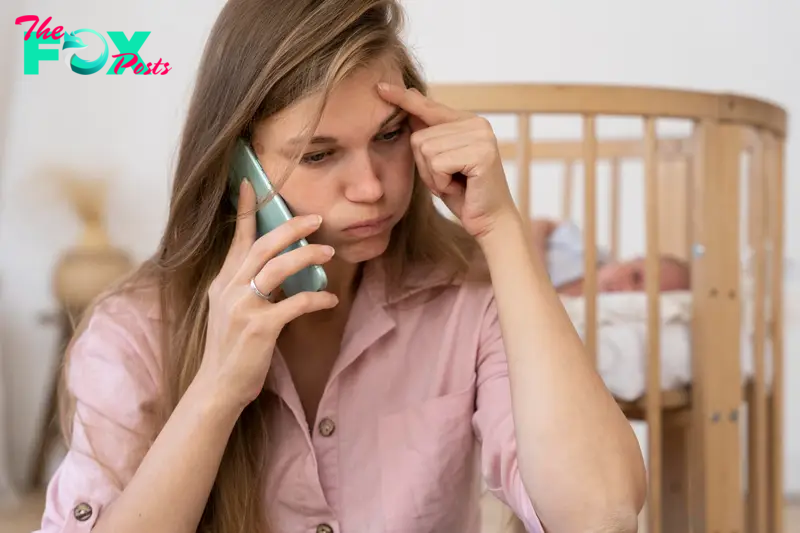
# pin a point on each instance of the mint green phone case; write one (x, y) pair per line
(244, 164)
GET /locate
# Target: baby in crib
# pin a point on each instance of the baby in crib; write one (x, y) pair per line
(561, 243)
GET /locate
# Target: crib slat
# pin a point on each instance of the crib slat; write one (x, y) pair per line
(566, 198)
(524, 163)
(688, 205)
(652, 285)
(757, 409)
(614, 212)
(590, 233)
(775, 179)
(673, 215)
(697, 439)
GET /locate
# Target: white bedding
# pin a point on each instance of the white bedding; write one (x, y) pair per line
(622, 340)
(622, 321)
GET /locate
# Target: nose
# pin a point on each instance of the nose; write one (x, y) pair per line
(363, 185)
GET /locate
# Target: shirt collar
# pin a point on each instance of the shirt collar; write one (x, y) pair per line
(418, 279)
(370, 319)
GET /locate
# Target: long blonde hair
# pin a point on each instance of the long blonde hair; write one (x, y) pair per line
(261, 57)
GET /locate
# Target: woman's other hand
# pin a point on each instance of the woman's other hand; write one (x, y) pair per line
(458, 159)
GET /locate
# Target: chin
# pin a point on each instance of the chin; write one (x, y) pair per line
(363, 249)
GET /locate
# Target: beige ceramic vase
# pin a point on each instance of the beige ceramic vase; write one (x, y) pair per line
(89, 267)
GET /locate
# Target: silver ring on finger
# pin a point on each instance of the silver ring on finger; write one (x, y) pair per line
(257, 292)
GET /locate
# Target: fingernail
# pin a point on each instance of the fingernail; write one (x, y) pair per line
(245, 183)
(315, 220)
(328, 250)
(383, 86)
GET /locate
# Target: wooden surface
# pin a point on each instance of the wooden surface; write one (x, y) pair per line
(613, 100)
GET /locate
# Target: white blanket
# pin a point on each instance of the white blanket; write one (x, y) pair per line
(622, 339)
(622, 322)
(629, 307)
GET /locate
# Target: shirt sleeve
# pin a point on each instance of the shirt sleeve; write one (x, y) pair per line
(494, 424)
(112, 377)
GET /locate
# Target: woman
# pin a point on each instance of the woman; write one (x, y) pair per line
(196, 404)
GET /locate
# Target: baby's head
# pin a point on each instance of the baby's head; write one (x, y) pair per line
(622, 276)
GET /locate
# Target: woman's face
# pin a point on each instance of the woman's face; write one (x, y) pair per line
(358, 170)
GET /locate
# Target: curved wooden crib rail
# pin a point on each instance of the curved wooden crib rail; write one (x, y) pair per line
(692, 204)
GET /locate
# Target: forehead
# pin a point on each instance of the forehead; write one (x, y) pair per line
(352, 111)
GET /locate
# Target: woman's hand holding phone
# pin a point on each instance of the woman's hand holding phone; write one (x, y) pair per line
(244, 327)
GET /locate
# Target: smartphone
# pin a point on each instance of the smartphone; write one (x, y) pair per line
(245, 164)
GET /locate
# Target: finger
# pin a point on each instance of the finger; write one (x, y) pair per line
(424, 170)
(276, 241)
(416, 124)
(454, 202)
(460, 128)
(281, 267)
(445, 164)
(300, 304)
(432, 147)
(245, 230)
(439, 180)
(413, 101)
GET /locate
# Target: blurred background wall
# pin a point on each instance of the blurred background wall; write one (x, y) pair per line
(126, 127)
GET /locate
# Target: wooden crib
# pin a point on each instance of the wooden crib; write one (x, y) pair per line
(694, 204)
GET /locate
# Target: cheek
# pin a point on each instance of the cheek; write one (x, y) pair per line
(318, 199)
(397, 173)
(670, 281)
(604, 278)
(303, 192)
(304, 198)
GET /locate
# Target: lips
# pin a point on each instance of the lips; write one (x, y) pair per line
(368, 227)
(368, 223)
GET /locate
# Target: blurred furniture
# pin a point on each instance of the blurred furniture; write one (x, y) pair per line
(8, 494)
(48, 432)
(701, 206)
(82, 273)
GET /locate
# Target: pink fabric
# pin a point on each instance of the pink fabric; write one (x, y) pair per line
(419, 397)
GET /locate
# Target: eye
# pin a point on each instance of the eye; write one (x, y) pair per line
(392, 135)
(389, 136)
(315, 158)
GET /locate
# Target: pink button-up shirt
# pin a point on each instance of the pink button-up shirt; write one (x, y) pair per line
(416, 408)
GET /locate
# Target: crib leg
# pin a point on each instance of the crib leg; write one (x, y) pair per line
(759, 512)
(776, 495)
(768, 517)
(675, 492)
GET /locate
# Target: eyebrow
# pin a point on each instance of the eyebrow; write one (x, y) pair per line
(326, 139)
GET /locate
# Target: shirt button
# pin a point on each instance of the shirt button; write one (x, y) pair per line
(326, 429)
(82, 512)
(324, 528)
